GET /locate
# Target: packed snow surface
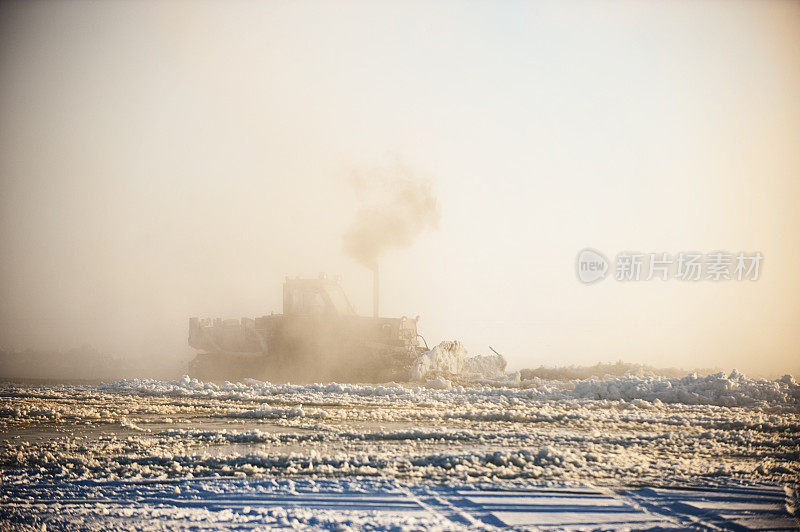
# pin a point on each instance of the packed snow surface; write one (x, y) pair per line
(374, 504)
(172, 441)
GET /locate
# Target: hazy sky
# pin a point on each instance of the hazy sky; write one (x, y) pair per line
(160, 160)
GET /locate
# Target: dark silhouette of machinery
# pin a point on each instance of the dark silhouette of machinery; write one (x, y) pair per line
(318, 337)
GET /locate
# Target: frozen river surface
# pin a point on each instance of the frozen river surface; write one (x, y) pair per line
(716, 452)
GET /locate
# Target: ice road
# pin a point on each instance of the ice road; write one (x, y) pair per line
(715, 452)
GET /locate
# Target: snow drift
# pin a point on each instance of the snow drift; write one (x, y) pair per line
(452, 359)
(730, 390)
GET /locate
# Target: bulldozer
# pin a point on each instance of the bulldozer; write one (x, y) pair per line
(318, 337)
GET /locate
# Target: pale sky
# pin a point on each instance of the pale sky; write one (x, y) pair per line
(160, 160)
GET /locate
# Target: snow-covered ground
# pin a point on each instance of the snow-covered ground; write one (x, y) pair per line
(344, 504)
(718, 451)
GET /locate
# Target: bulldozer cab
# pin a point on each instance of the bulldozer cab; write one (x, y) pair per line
(315, 297)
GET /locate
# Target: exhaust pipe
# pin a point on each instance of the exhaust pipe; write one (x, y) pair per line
(375, 291)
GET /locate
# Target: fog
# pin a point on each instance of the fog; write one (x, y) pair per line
(165, 160)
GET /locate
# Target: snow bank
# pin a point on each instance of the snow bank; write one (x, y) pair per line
(718, 389)
(447, 357)
(451, 358)
(732, 390)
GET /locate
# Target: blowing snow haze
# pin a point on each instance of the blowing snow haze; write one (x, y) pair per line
(162, 160)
